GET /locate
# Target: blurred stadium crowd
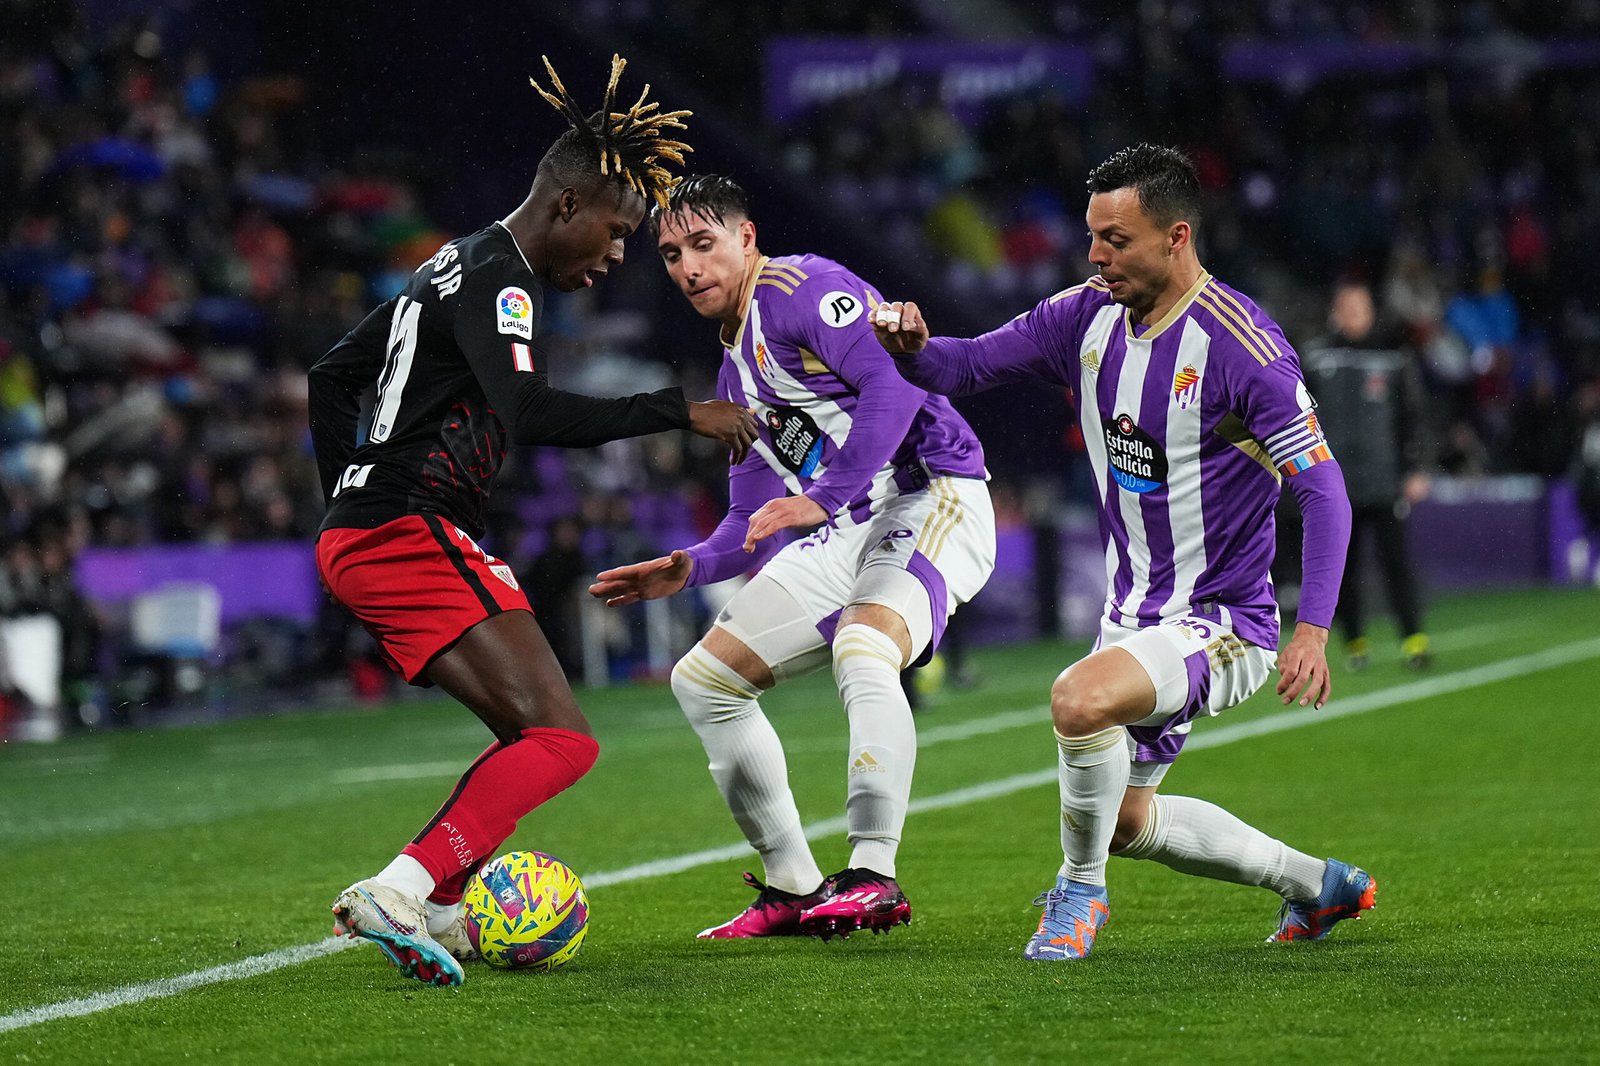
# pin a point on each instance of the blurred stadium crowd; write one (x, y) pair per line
(172, 261)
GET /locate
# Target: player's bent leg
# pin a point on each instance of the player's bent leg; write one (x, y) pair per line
(870, 648)
(762, 636)
(875, 639)
(503, 670)
(746, 760)
(1089, 703)
(1199, 838)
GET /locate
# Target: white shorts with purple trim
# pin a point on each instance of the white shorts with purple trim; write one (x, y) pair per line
(1199, 667)
(941, 537)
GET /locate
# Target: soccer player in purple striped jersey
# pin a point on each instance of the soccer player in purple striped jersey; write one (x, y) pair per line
(894, 480)
(1195, 414)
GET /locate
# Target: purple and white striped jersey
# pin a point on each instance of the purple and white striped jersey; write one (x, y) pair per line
(838, 422)
(1191, 423)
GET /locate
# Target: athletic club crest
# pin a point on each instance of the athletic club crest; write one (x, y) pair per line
(1184, 384)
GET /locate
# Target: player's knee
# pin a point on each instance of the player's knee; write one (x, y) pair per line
(708, 691)
(1080, 706)
(512, 710)
(859, 646)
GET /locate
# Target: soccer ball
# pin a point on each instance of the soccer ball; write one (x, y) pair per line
(526, 911)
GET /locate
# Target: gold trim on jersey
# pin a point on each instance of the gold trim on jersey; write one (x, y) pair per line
(783, 287)
(744, 310)
(1250, 345)
(1231, 429)
(782, 269)
(1175, 312)
(1256, 341)
(1091, 283)
(1229, 300)
(947, 515)
(812, 363)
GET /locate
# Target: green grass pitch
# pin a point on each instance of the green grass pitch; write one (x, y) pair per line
(1470, 791)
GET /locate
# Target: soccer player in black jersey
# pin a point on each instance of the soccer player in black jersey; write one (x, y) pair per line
(457, 375)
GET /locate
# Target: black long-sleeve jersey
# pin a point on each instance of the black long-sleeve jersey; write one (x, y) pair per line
(455, 366)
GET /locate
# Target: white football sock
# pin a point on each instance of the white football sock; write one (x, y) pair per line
(883, 744)
(1200, 838)
(441, 915)
(1093, 772)
(407, 875)
(747, 763)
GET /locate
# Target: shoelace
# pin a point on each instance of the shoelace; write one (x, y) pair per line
(1287, 911)
(774, 897)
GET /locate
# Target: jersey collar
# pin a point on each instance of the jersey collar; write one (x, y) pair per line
(1176, 312)
(744, 306)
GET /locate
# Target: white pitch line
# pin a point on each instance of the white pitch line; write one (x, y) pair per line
(257, 965)
(171, 986)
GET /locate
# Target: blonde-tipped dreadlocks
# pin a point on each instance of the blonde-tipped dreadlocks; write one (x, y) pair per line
(628, 143)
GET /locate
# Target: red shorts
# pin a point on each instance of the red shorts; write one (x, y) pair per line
(418, 584)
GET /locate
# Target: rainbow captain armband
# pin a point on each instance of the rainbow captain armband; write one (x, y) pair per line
(1307, 459)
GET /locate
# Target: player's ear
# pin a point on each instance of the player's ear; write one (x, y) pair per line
(1179, 234)
(747, 234)
(567, 203)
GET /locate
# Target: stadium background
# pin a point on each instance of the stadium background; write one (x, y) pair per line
(197, 199)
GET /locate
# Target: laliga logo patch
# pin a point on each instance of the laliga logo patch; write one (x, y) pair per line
(515, 314)
(839, 309)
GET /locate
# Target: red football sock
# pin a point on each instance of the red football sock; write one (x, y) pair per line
(505, 783)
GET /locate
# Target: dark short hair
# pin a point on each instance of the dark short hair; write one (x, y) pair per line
(1168, 186)
(711, 196)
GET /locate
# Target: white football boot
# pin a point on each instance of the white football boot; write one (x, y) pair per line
(398, 924)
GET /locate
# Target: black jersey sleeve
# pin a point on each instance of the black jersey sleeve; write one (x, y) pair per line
(334, 387)
(495, 325)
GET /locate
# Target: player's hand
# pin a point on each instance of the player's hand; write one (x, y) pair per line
(900, 328)
(789, 512)
(733, 425)
(642, 581)
(1303, 667)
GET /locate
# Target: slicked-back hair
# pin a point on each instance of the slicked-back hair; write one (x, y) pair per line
(1165, 178)
(713, 197)
(627, 148)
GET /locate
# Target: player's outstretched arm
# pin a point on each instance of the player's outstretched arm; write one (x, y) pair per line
(729, 423)
(649, 580)
(1303, 667)
(900, 327)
